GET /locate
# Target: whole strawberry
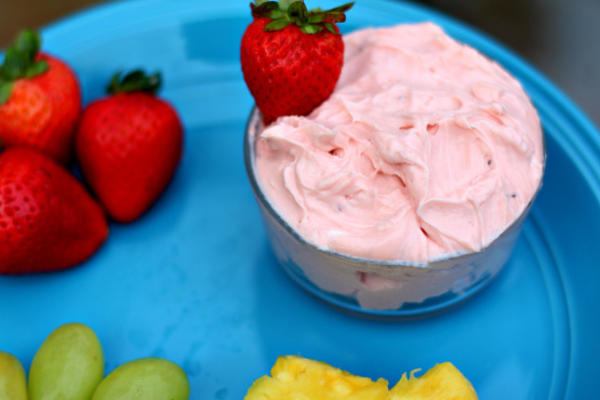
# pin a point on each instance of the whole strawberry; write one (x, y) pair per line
(47, 219)
(291, 57)
(129, 145)
(40, 99)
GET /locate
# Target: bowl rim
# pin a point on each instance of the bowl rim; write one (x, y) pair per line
(254, 120)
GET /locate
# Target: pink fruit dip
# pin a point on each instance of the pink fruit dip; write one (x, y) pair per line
(425, 150)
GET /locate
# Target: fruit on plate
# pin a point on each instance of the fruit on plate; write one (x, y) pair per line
(12, 378)
(148, 379)
(129, 145)
(291, 57)
(68, 365)
(294, 377)
(40, 99)
(442, 382)
(47, 219)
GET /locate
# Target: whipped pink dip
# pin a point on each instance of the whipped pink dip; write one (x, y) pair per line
(426, 149)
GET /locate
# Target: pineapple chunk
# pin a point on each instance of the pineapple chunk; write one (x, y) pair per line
(297, 378)
(443, 381)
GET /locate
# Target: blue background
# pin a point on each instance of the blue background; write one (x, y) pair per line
(194, 280)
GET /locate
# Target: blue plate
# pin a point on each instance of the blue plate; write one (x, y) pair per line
(194, 279)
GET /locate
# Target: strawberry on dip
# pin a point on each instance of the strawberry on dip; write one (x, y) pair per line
(40, 99)
(47, 219)
(129, 145)
(292, 57)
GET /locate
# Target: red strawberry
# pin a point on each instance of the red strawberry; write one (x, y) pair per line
(291, 57)
(40, 100)
(47, 219)
(129, 145)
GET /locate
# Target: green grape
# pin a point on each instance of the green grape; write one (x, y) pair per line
(147, 379)
(12, 378)
(68, 366)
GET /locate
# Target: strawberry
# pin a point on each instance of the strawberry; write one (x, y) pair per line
(47, 219)
(40, 99)
(291, 57)
(129, 145)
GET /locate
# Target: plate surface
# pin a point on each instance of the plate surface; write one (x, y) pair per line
(194, 279)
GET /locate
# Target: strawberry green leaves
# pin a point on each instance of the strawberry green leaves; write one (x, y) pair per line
(277, 25)
(330, 28)
(135, 81)
(36, 69)
(29, 43)
(267, 9)
(15, 64)
(298, 11)
(287, 12)
(20, 62)
(285, 4)
(5, 91)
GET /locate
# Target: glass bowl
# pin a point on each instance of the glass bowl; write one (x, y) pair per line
(376, 288)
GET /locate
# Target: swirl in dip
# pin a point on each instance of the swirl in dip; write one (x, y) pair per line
(426, 149)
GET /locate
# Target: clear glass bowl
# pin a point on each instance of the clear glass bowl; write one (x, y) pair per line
(373, 287)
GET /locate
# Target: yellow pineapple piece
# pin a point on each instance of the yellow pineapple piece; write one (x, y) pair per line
(442, 382)
(297, 378)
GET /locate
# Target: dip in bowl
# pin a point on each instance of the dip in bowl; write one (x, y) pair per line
(405, 191)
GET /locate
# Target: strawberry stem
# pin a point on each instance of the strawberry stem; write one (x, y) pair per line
(287, 12)
(135, 81)
(20, 62)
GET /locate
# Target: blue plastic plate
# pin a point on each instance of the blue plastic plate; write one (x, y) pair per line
(194, 279)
